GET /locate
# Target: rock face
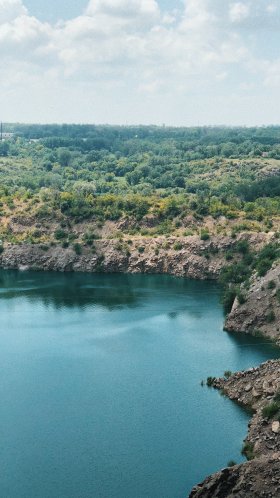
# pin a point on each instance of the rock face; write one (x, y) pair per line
(182, 256)
(256, 479)
(255, 388)
(260, 314)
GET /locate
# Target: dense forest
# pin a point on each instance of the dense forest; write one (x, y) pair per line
(87, 172)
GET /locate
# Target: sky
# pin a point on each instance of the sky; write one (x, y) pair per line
(179, 63)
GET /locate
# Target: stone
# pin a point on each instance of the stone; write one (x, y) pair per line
(275, 427)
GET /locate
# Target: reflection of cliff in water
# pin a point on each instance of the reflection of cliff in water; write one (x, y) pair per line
(68, 290)
(111, 291)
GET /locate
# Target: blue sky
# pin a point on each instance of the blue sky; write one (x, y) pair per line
(185, 62)
(52, 10)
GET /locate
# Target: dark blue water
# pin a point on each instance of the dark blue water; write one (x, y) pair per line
(100, 385)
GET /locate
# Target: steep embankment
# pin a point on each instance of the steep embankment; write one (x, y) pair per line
(182, 256)
(260, 313)
(256, 479)
(259, 390)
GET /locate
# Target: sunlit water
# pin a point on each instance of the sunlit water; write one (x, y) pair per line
(100, 385)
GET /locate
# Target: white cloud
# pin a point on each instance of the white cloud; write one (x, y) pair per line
(239, 11)
(131, 47)
(10, 9)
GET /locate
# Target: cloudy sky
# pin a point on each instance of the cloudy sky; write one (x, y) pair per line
(180, 62)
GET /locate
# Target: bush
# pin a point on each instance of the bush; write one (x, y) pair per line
(1, 248)
(271, 284)
(204, 235)
(242, 246)
(210, 381)
(270, 317)
(263, 266)
(177, 246)
(241, 297)
(227, 374)
(141, 249)
(77, 248)
(59, 234)
(270, 410)
(228, 299)
(248, 450)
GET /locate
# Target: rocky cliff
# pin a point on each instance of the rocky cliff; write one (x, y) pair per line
(182, 256)
(259, 390)
(260, 313)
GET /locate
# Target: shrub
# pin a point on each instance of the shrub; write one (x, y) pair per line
(241, 297)
(270, 410)
(177, 246)
(210, 381)
(228, 255)
(77, 248)
(263, 266)
(270, 317)
(204, 235)
(141, 249)
(248, 450)
(227, 374)
(228, 299)
(242, 246)
(59, 234)
(271, 284)
(1, 248)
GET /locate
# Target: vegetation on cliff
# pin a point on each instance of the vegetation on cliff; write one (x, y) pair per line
(160, 180)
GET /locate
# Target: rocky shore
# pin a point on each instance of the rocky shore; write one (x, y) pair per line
(260, 312)
(257, 389)
(181, 256)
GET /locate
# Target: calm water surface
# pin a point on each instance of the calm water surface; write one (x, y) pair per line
(100, 385)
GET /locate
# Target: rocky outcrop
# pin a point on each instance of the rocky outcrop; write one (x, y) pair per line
(260, 313)
(182, 256)
(256, 479)
(259, 390)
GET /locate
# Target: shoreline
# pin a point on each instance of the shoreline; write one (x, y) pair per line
(155, 257)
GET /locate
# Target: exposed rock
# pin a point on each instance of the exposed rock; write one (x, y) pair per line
(260, 313)
(195, 259)
(256, 479)
(261, 476)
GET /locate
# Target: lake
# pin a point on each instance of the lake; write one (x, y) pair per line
(100, 385)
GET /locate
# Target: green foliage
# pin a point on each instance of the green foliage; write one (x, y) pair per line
(77, 248)
(271, 284)
(204, 235)
(210, 381)
(227, 374)
(236, 273)
(177, 246)
(270, 317)
(248, 450)
(60, 234)
(266, 257)
(271, 409)
(242, 246)
(228, 298)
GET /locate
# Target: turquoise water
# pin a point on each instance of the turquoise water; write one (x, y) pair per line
(100, 385)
